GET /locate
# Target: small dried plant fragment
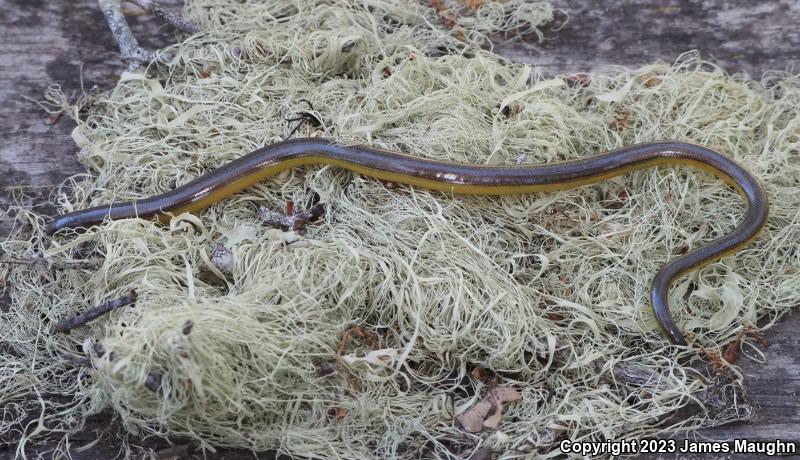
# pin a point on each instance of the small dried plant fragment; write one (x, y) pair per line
(489, 412)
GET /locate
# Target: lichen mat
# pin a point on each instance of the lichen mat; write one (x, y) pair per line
(463, 179)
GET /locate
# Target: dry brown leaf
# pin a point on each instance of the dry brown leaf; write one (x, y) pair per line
(488, 412)
(649, 80)
(338, 412)
(482, 374)
(474, 5)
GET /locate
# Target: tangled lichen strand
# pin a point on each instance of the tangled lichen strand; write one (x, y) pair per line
(548, 291)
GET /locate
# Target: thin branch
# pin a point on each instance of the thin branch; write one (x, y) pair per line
(67, 324)
(174, 20)
(76, 360)
(636, 376)
(38, 261)
(132, 53)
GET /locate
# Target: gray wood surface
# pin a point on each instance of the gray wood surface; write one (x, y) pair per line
(42, 42)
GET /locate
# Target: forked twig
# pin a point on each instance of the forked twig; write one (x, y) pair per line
(132, 53)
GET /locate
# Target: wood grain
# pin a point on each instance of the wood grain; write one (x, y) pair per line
(44, 42)
(739, 35)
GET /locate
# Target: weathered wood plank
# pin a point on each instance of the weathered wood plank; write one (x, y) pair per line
(45, 42)
(42, 42)
(740, 35)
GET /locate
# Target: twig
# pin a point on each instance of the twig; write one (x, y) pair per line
(132, 53)
(169, 18)
(67, 324)
(297, 221)
(175, 20)
(636, 376)
(59, 264)
(75, 360)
